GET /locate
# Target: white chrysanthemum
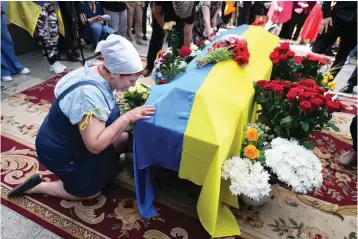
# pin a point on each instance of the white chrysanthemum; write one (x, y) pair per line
(294, 165)
(182, 65)
(206, 42)
(193, 47)
(246, 178)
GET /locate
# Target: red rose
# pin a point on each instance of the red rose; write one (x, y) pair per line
(284, 46)
(278, 89)
(316, 102)
(283, 57)
(305, 106)
(291, 54)
(274, 55)
(162, 81)
(242, 60)
(298, 59)
(276, 61)
(261, 83)
(184, 51)
(199, 43)
(291, 96)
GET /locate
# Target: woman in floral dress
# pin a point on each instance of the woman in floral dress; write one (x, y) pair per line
(205, 19)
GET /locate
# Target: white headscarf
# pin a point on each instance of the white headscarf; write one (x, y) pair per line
(119, 55)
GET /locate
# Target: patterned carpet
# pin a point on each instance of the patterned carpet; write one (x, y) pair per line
(330, 212)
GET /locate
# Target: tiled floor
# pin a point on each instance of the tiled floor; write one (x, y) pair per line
(39, 73)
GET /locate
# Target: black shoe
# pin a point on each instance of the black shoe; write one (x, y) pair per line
(19, 190)
(3, 87)
(145, 38)
(71, 56)
(347, 89)
(75, 53)
(147, 72)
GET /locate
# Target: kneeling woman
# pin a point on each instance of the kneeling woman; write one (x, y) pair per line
(83, 133)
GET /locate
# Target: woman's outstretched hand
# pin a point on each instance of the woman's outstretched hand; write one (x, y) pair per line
(140, 113)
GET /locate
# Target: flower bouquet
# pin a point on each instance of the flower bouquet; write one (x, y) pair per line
(288, 66)
(295, 109)
(282, 162)
(229, 47)
(134, 97)
(167, 66)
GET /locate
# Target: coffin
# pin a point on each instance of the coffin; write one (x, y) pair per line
(198, 124)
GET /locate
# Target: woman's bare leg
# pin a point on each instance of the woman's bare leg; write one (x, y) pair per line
(56, 189)
(121, 142)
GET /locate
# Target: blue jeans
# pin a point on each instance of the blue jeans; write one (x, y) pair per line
(9, 62)
(98, 30)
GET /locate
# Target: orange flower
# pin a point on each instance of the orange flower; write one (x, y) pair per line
(252, 135)
(251, 152)
(158, 54)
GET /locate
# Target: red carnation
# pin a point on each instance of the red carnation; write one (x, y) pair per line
(283, 57)
(298, 59)
(162, 81)
(262, 83)
(184, 51)
(291, 54)
(216, 45)
(278, 89)
(316, 102)
(308, 82)
(242, 60)
(305, 106)
(284, 46)
(268, 87)
(199, 43)
(241, 48)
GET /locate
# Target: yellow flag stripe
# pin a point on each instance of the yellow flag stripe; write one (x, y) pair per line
(221, 109)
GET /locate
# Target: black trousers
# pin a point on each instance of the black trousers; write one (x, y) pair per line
(155, 44)
(353, 79)
(347, 31)
(69, 42)
(353, 130)
(144, 18)
(297, 21)
(244, 13)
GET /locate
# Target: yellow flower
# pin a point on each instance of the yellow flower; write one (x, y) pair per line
(252, 135)
(251, 152)
(324, 81)
(329, 84)
(332, 88)
(145, 96)
(333, 82)
(131, 89)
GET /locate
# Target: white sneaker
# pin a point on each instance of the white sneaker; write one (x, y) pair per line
(55, 68)
(25, 71)
(60, 65)
(6, 78)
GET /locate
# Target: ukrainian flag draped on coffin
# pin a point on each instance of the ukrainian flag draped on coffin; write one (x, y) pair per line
(25, 15)
(198, 124)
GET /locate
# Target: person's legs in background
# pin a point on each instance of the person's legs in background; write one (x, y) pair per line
(114, 21)
(352, 81)
(244, 13)
(96, 31)
(144, 20)
(46, 35)
(106, 30)
(9, 62)
(130, 15)
(155, 44)
(300, 20)
(138, 15)
(350, 158)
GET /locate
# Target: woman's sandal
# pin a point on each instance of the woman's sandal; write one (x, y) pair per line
(19, 190)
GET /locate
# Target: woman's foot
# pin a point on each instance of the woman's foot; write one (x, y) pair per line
(6, 78)
(25, 71)
(19, 190)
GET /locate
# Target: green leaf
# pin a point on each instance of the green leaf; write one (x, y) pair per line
(305, 126)
(308, 145)
(286, 121)
(333, 126)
